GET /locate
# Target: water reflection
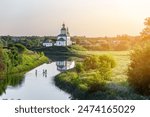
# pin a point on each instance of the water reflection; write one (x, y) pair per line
(65, 65)
(11, 81)
(36, 84)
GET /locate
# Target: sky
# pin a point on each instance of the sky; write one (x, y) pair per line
(92, 18)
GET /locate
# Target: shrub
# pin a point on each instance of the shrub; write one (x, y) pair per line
(102, 63)
(107, 61)
(139, 68)
(79, 67)
(91, 62)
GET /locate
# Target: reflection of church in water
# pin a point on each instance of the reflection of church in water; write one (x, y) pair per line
(65, 65)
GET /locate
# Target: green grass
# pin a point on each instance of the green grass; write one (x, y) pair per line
(116, 88)
(30, 60)
(122, 58)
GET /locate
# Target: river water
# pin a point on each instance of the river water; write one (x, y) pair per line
(37, 84)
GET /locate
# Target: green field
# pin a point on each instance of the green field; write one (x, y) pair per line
(122, 58)
(117, 87)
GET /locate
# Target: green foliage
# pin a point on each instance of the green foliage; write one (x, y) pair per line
(139, 68)
(102, 63)
(78, 47)
(145, 34)
(91, 62)
(79, 67)
(10, 80)
(88, 77)
(2, 66)
(1, 43)
(93, 80)
(106, 61)
(90, 82)
(21, 48)
(18, 59)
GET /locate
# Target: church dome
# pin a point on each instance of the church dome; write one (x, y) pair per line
(63, 27)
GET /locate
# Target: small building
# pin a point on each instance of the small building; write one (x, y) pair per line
(47, 43)
(63, 39)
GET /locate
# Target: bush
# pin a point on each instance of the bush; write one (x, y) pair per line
(139, 68)
(107, 61)
(79, 67)
(102, 63)
(91, 62)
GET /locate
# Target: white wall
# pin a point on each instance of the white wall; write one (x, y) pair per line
(47, 44)
(64, 37)
(60, 43)
(63, 43)
(69, 42)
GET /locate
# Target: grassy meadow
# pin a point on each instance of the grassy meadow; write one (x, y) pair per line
(122, 59)
(117, 87)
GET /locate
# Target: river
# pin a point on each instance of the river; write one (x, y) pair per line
(37, 84)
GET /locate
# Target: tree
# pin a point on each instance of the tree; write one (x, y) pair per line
(139, 68)
(145, 34)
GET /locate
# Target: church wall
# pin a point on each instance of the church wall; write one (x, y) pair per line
(69, 42)
(65, 38)
(60, 43)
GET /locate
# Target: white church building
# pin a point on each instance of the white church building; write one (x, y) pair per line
(63, 39)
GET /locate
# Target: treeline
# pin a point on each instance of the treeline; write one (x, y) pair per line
(118, 43)
(28, 41)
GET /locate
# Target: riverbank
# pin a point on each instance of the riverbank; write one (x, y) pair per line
(30, 61)
(18, 62)
(88, 77)
(115, 88)
(22, 86)
(62, 53)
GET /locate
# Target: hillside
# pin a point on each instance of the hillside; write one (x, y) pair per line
(17, 59)
(58, 53)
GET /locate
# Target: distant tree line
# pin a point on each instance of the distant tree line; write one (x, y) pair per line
(118, 43)
(28, 41)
